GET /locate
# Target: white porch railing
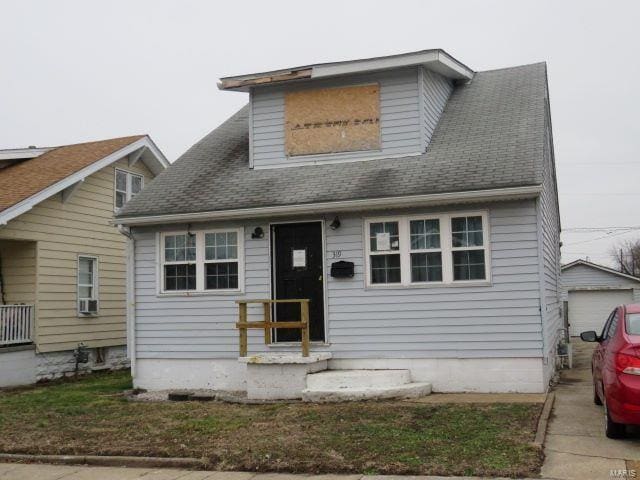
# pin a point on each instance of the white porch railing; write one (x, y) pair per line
(16, 324)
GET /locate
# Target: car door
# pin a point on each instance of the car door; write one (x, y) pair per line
(599, 355)
(609, 350)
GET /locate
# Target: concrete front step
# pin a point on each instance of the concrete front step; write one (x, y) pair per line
(330, 380)
(409, 390)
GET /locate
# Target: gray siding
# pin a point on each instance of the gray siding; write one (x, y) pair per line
(500, 320)
(550, 256)
(435, 93)
(583, 276)
(410, 106)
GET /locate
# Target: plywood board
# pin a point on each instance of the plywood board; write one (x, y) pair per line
(332, 120)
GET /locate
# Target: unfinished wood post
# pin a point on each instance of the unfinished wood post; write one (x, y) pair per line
(242, 307)
(304, 317)
(267, 320)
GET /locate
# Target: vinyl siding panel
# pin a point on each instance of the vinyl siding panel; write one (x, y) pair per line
(400, 119)
(497, 320)
(435, 91)
(62, 232)
(550, 256)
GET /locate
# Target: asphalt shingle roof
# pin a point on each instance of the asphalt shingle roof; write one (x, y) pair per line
(28, 177)
(490, 135)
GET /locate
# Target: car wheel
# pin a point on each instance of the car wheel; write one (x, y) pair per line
(596, 398)
(611, 428)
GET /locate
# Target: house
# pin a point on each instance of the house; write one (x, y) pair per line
(409, 199)
(592, 291)
(62, 261)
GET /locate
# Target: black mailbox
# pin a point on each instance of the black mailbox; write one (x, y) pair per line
(342, 269)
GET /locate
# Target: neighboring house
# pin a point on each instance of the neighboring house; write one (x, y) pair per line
(412, 200)
(592, 291)
(62, 261)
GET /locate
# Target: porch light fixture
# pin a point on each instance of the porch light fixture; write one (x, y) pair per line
(257, 233)
(335, 224)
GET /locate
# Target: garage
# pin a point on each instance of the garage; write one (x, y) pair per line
(591, 291)
(589, 309)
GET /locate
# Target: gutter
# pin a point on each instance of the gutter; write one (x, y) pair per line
(500, 194)
(131, 297)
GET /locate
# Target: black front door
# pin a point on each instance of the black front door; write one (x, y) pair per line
(297, 273)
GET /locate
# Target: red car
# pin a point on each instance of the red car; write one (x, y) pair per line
(616, 369)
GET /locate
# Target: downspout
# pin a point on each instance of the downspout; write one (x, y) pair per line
(131, 297)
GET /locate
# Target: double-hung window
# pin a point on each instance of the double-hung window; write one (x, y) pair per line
(384, 252)
(203, 261)
(179, 262)
(87, 285)
(221, 260)
(429, 249)
(127, 185)
(468, 251)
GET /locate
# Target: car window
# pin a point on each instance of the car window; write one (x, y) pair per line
(633, 323)
(613, 324)
(605, 330)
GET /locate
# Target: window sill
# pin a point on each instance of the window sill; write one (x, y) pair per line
(200, 294)
(466, 283)
(88, 315)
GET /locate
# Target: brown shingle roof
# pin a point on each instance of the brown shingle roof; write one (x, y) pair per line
(26, 178)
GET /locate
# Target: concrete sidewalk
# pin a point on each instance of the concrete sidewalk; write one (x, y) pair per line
(18, 471)
(576, 446)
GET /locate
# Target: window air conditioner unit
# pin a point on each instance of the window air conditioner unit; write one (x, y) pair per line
(88, 307)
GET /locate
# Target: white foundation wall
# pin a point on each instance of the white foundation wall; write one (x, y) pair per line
(17, 366)
(484, 375)
(166, 374)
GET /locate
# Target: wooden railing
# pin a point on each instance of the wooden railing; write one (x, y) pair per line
(243, 324)
(16, 324)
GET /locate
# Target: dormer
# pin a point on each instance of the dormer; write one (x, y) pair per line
(366, 109)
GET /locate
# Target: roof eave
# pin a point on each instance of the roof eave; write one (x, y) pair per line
(160, 163)
(438, 61)
(597, 267)
(502, 194)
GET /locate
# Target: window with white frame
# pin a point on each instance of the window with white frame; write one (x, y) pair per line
(205, 261)
(430, 249)
(87, 285)
(384, 241)
(221, 260)
(179, 268)
(127, 185)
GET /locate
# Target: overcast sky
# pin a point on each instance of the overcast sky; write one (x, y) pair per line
(73, 71)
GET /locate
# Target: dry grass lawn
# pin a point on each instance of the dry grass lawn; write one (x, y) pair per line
(91, 417)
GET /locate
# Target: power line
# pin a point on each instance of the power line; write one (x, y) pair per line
(610, 235)
(599, 229)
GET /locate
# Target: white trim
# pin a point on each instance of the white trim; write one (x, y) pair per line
(28, 203)
(131, 302)
(135, 156)
(421, 105)
(95, 286)
(511, 193)
(69, 192)
(200, 263)
(437, 60)
(599, 267)
(446, 249)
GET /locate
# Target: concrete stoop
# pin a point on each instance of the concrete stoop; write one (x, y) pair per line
(345, 385)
